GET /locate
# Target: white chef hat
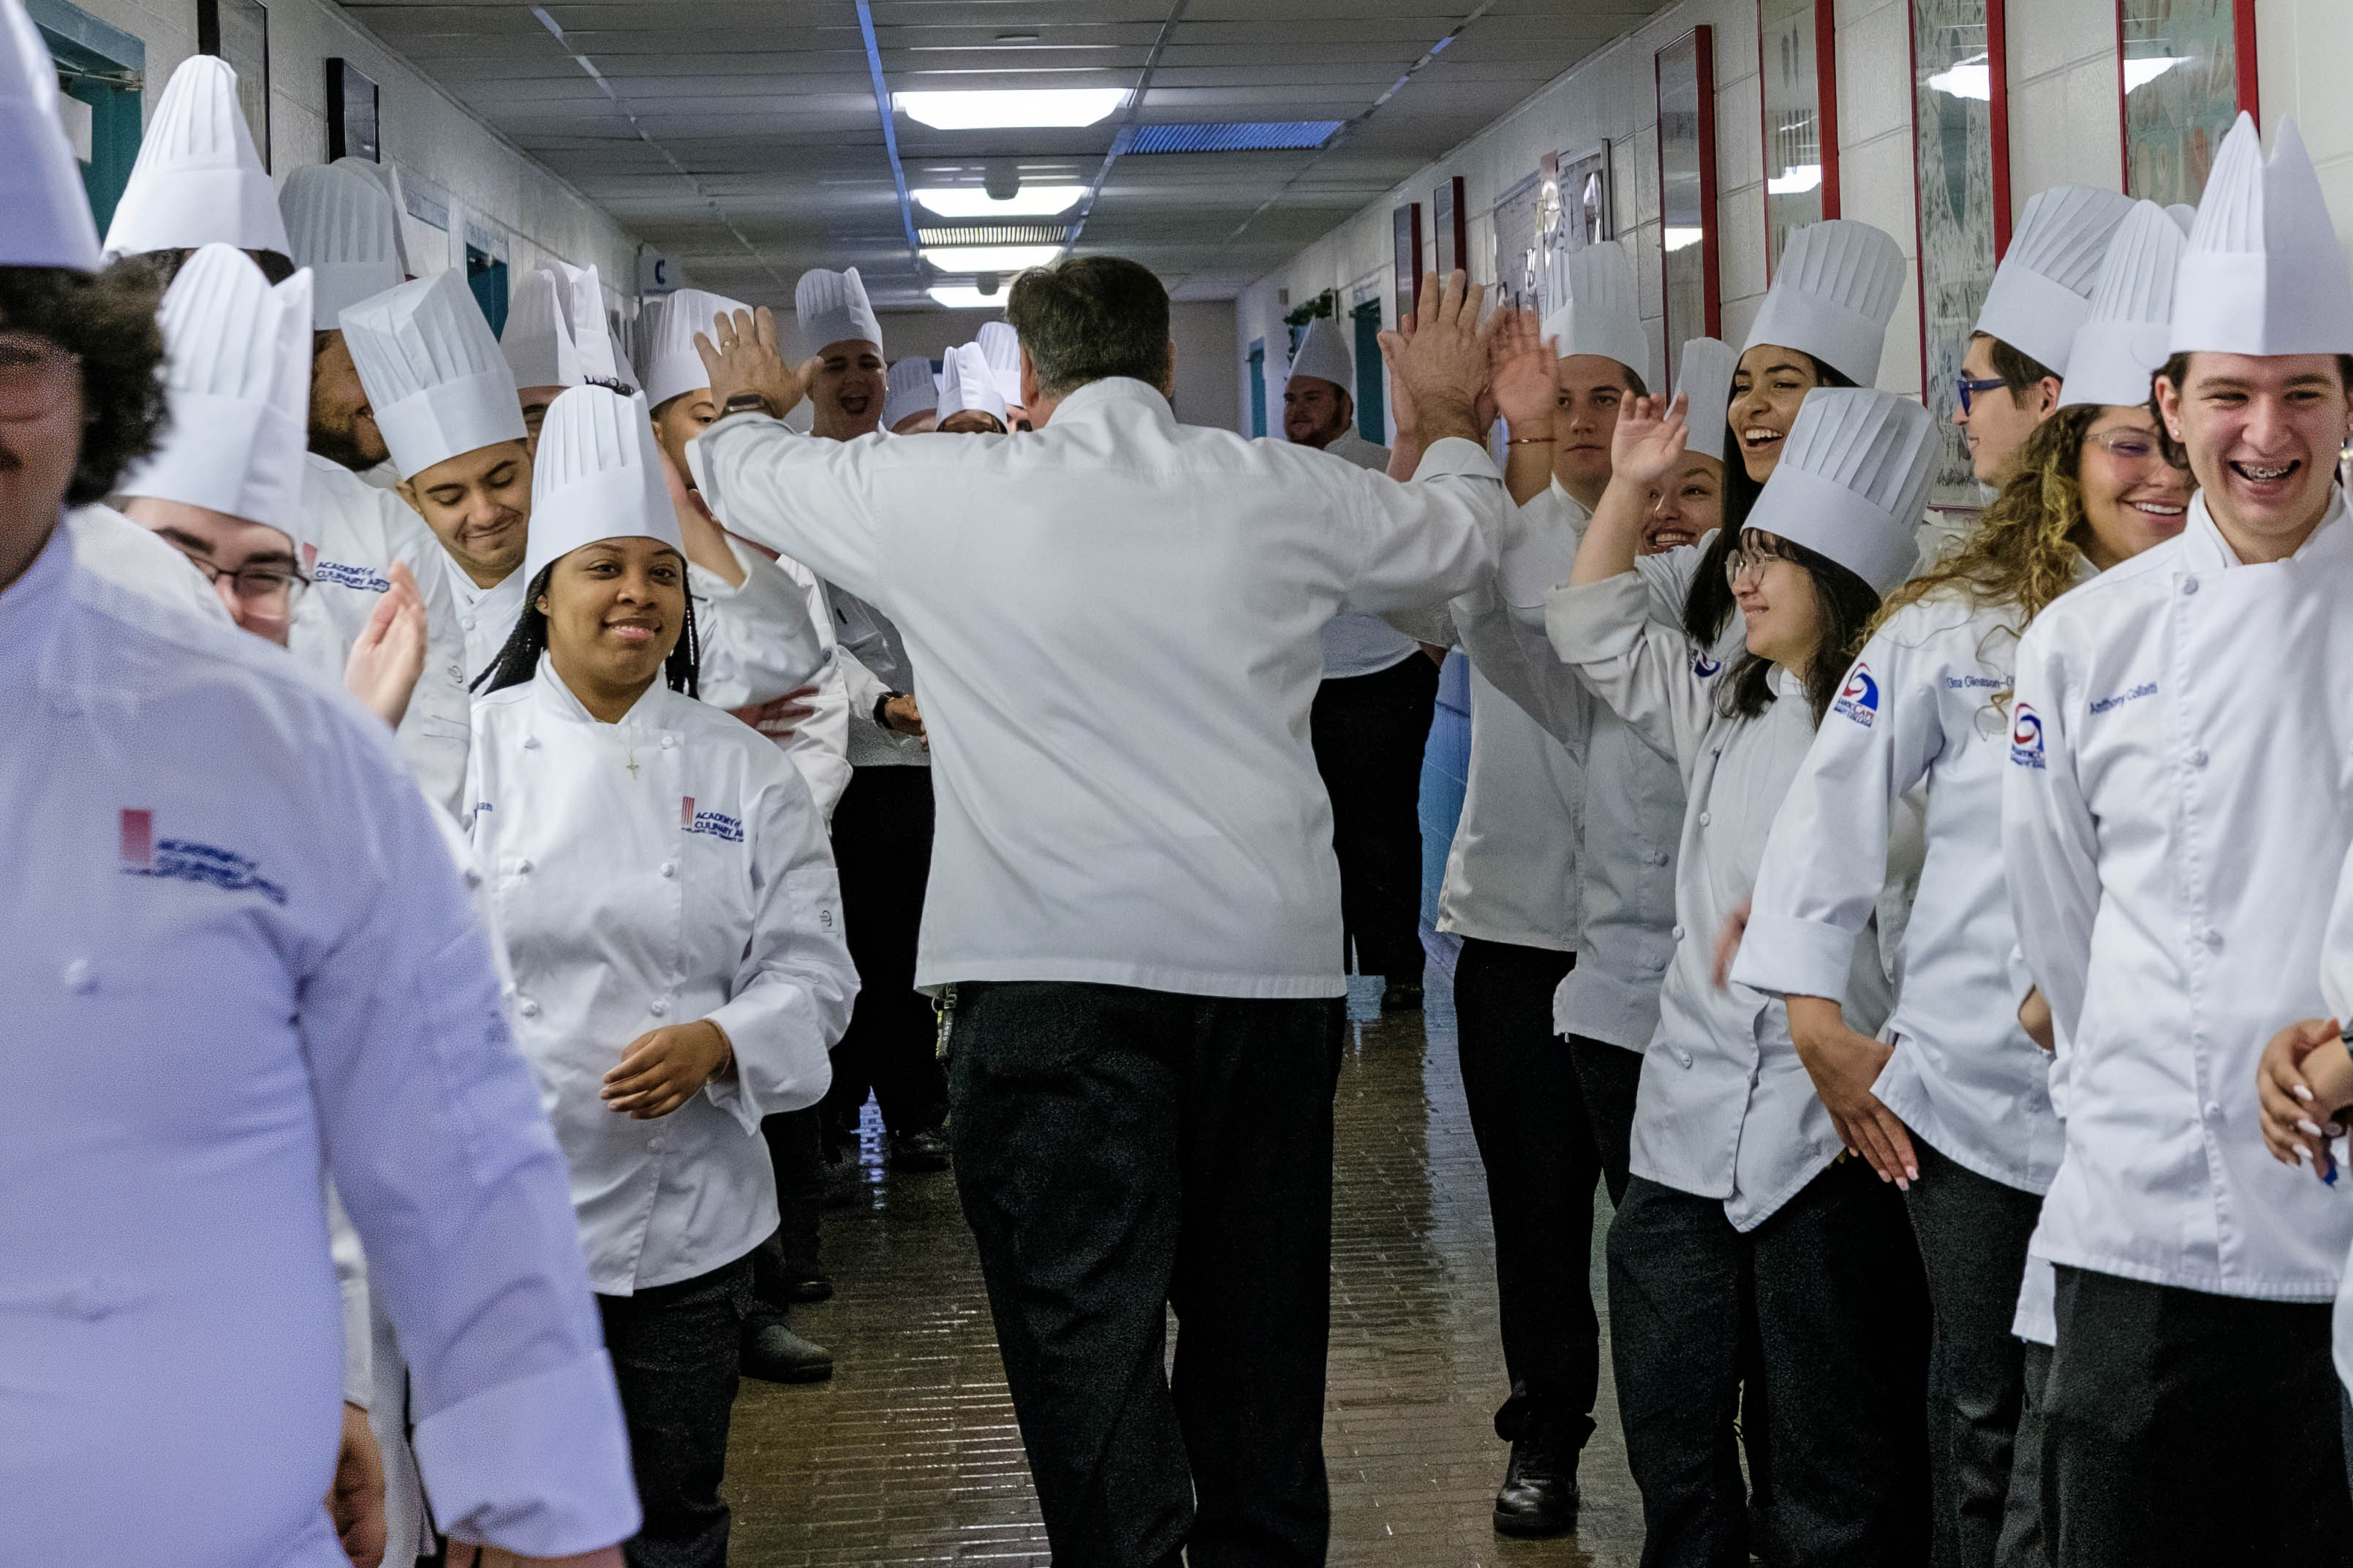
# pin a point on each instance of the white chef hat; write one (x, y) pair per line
(910, 389)
(388, 177)
(537, 344)
(598, 475)
(237, 377)
(44, 215)
(2124, 344)
(969, 383)
(342, 228)
(671, 365)
(2183, 213)
(2263, 273)
(433, 373)
(1323, 354)
(832, 309)
(1705, 378)
(1603, 314)
(197, 179)
(580, 295)
(1836, 286)
(2042, 290)
(1002, 344)
(1852, 478)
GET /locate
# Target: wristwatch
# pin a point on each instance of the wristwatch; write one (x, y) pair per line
(747, 403)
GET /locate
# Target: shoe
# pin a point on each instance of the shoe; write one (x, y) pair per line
(773, 1353)
(804, 1288)
(924, 1150)
(1401, 997)
(1539, 1494)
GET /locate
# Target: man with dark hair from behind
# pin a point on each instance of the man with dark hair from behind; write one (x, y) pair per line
(1135, 913)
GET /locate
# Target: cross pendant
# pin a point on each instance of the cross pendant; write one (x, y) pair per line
(633, 767)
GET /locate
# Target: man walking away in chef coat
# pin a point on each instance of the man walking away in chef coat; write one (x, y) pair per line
(313, 990)
(1115, 624)
(1372, 713)
(345, 229)
(2174, 817)
(2012, 376)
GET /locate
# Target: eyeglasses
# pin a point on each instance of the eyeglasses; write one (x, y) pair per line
(2133, 448)
(1968, 388)
(1749, 561)
(263, 588)
(36, 376)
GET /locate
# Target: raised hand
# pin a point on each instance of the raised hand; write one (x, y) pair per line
(1649, 441)
(1521, 367)
(1442, 364)
(740, 354)
(388, 656)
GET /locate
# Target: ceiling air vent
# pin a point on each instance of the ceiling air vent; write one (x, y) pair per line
(1265, 136)
(1000, 234)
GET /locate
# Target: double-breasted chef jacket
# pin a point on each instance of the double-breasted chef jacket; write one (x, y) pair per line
(670, 867)
(232, 915)
(1725, 1109)
(2174, 815)
(1115, 624)
(1919, 704)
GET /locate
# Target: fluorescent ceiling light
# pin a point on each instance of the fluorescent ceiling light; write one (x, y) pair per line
(1795, 181)
(1002, 259)
(1973, 79)
(1010, 110)
(971, 201)
(2139, 73)
(964, 297)
(1679, 238)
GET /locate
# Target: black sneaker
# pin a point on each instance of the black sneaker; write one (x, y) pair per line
(924, 1150)
(1539, 1494)
(1401, 997)
(773, 1353)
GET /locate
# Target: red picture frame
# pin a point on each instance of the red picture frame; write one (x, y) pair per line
(1406, 230)
(1702, 39)
(2244, 68)
(1825, 14)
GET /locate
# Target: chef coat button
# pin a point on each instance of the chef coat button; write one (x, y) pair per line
(2190, 585)
(468, 623)
(524, 865)
(670, 867)
(457, 672)
(2198, 758)
(527, 1008)
(1659, 860)
(1684, 1056)
(79, 976)
(2212, 939)
(1678, 933)
(473, 878)
(658, 1007)
(669, 742)
(654, 1144)
(2213, 1110)
(531, 742)
(1703, 819)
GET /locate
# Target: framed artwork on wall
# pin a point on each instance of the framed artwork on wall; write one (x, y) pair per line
(1960, 123)
(1686, 75)
(1796, 40)
(1406, 228)
(351, 125)
(1451, 225)
(2184, 71)
(237, 31)
(1519, 254)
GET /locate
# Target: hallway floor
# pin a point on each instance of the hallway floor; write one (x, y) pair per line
(911, 1455)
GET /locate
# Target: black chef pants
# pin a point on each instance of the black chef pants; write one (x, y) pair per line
(1608, 1077)
(2024, 1543)
(882, 843)
(2186, 1428)
(1369, 733)
(1536, 1143)
(1841, 1334)
(1972, 1232)
(674, 1349)
(1120, 1151)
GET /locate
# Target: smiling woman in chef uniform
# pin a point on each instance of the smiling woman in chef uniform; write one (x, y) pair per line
(672, 912)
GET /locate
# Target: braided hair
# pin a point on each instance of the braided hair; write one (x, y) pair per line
(518, 658)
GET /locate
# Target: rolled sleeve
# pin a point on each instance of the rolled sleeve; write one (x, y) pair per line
(1783, 955)
(485, 1463)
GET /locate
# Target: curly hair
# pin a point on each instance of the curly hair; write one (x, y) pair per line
(108, 320)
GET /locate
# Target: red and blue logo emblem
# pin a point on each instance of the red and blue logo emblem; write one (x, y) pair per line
(184, 860)
(2026, 737)
(1859, 699)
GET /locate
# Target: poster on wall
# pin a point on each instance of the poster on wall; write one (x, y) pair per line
(1407, 237)
(351, 113)
(1576, 212)
(1801, 119)
(1962, 176)
(1685, 72)
(237, 31)
(2183, 85)
(1519, 255)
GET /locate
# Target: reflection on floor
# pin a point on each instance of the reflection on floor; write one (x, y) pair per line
(910, 1456)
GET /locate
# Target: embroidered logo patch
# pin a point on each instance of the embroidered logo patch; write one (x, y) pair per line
(711, 823)
(365, 579)
(1859, 699)
(1703, 666)
(182, 859)
(2026, 737)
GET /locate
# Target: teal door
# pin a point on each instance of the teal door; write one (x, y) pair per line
(102, 67)
(1258, 387)
(1372, 411)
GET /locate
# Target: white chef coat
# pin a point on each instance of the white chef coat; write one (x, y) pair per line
(109, 545)
(1356, 644)
(1112, 623)
(357, 532)
(874, 665)
(1918, 705)
(1725, 1110)
(699, 886)
(818, 745)
(236, 915)
(2337, 991)
(2174, 817)
(486, 615)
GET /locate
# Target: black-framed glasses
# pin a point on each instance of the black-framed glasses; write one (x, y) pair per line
(263, 586)
(1969, 387)
(36, 376)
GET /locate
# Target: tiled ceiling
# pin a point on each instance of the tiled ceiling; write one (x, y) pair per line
(743, 137)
